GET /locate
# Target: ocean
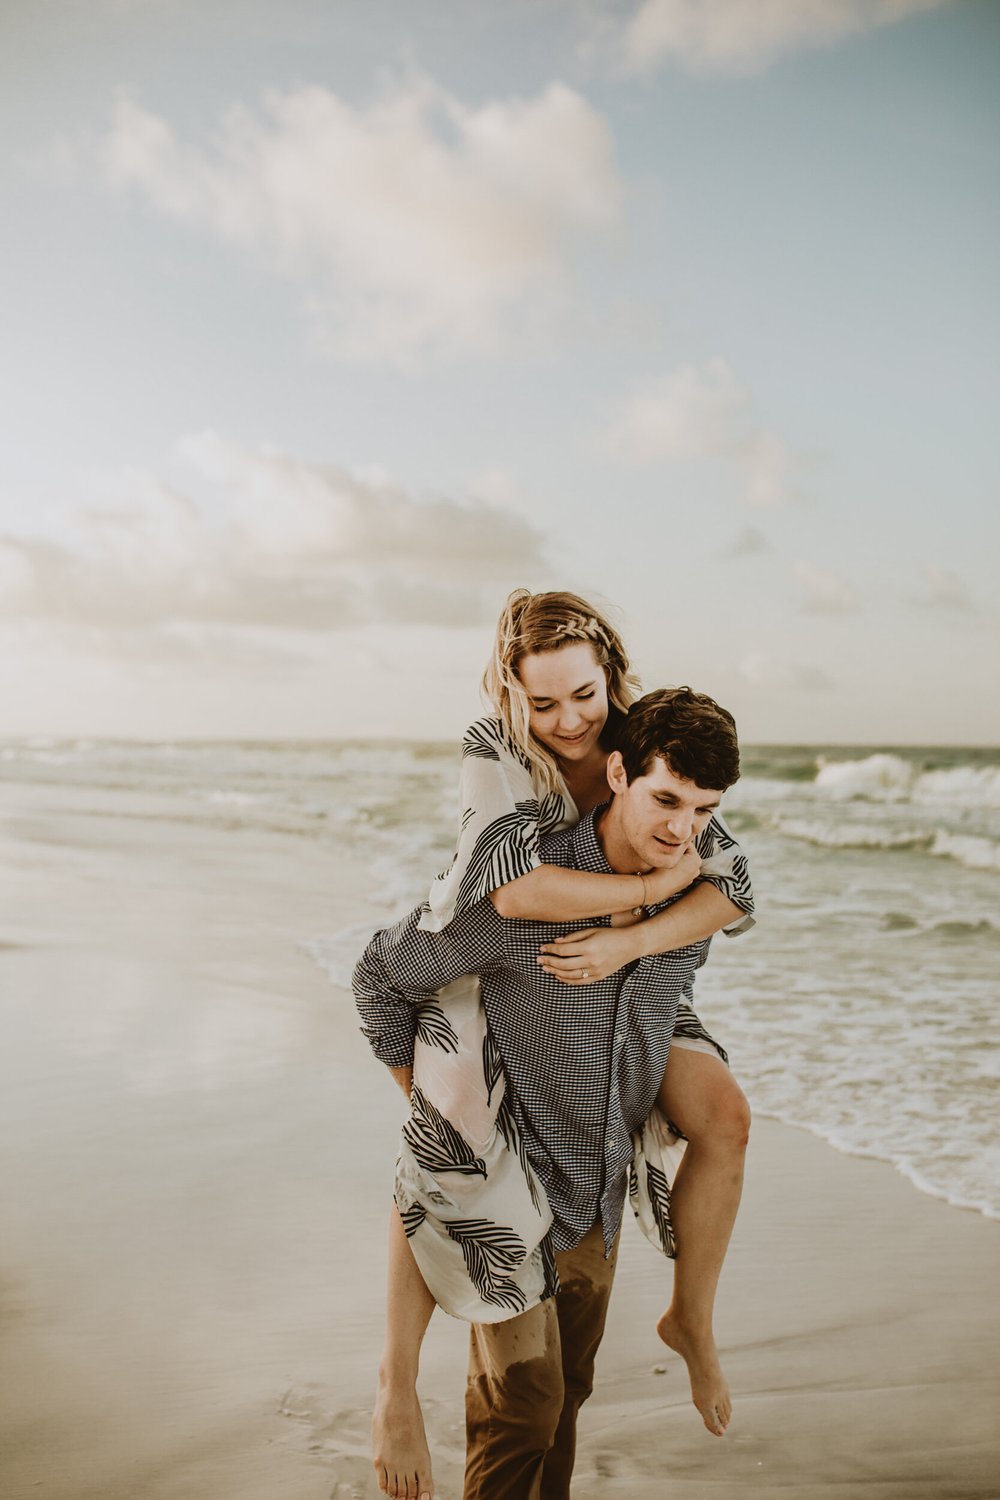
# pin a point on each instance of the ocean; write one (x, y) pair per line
(864, 1006)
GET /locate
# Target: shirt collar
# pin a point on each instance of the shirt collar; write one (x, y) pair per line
(586, 847)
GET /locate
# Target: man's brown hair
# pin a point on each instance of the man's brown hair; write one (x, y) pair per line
(688, 730)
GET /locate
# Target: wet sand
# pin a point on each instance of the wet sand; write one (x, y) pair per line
(193, 1177)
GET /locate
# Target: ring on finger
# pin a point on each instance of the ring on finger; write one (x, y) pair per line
(585, 974)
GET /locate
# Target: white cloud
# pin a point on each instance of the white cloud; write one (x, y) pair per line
(768, 672)
(744, 36)
(417, 225)
(823, 592)
(690, 413)
(944, 590)
(704, 412)
(746, 543)
(278, 543)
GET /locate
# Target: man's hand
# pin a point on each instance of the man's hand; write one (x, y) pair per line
(587, 956)
(666, 880)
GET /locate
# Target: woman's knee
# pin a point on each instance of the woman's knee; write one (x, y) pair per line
(731, 1121)
(738, 1119)
(701, 1096)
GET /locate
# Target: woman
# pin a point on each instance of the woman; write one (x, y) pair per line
(558, 682)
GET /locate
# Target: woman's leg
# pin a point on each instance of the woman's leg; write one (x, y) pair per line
(399, 1446)
(701, 1097)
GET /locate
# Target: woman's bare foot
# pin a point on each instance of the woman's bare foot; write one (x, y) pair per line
(400, 1454)
(709, 1387)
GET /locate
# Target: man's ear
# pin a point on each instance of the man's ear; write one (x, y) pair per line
(617, 780)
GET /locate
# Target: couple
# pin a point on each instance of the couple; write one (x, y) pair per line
(537, 1010)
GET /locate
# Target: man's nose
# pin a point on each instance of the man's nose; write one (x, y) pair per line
(681, 823)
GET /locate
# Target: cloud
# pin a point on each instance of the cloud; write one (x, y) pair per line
(746, 543)
(274, 543)
(822, 592)
(944, 590)
(704, 412)
(417, 225)
(744, 36)
(768, 672)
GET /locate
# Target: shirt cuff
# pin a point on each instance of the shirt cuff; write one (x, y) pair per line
(393, 1051)
(740, 924)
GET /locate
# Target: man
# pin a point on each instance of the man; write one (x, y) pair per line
(583, 1067)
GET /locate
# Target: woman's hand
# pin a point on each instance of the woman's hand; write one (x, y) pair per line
(589, 955)
(663, 883)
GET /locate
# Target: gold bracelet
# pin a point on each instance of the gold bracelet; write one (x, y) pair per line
(637, 911)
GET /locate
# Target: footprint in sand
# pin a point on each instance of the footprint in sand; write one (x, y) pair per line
(341, 1440)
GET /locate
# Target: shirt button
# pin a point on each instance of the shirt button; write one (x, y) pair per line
(620, 1038)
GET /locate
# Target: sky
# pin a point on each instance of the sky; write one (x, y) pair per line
(328, 322)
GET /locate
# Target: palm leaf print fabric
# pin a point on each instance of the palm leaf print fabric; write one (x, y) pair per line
(503, 814)
(434, 1141)
(473, 1210)
(433, 1027)
(490, 1252)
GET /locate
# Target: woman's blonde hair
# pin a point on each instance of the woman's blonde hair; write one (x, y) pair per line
(530, 623)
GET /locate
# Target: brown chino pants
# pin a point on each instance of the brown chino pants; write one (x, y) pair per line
(528, 1378)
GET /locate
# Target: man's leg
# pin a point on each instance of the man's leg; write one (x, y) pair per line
(701, 1097)
(582, 1309)
(513, 1401)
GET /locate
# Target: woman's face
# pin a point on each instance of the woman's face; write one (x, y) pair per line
(568, 699)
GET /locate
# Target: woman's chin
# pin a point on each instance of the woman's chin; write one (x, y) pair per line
(569, 757)
(573, 749)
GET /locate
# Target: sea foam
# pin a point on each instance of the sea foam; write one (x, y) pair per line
(889, 778)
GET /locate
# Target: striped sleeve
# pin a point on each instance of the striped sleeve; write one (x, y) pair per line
(724, 864)
(502, 816)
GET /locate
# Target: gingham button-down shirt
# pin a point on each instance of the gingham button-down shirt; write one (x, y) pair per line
(583, 1064)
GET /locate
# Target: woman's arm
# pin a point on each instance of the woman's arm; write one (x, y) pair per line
(551, 893)
(600, 951)
(697, 915)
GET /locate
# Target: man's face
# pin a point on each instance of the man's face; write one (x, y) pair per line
(659, 813)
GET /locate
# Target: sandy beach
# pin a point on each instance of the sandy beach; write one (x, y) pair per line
(195, 1170)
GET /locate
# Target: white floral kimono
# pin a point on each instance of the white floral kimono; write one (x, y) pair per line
(461, 1161)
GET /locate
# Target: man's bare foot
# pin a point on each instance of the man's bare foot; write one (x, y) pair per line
(400, 1455)
(709, 1387)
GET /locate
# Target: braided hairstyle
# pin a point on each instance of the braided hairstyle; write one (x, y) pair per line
(531, 623)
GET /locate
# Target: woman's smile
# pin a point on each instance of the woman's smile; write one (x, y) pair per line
(568, 698)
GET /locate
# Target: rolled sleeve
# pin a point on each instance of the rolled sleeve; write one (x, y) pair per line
(739, 924)
(724, 865)
(404, 965)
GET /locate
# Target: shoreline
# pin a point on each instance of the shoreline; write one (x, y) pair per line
(188, 1308)
(913, 1179)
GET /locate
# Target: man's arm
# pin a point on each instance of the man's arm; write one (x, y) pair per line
(403, 966)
